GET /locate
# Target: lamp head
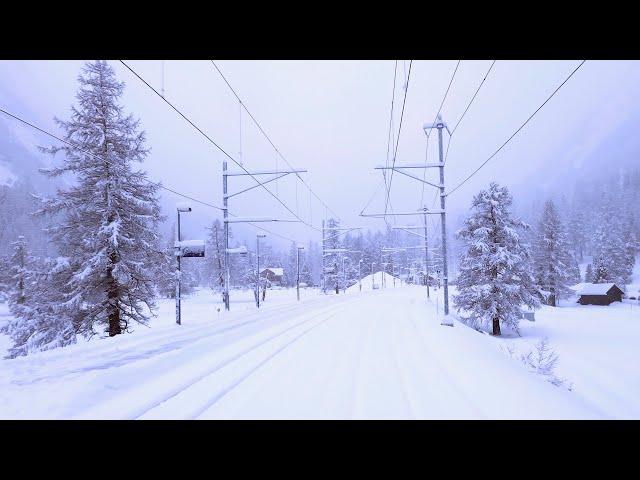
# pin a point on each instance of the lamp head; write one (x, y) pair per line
(183, 207)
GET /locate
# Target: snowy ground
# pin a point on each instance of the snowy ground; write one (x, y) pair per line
(370, 354)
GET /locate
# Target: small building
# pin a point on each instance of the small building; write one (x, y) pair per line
(273, 275)
(600, 294)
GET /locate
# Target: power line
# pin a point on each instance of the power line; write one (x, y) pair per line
(372, 196)
(159, 185)
(389, 135)
(426, 157)
(466, 109)
(86, 152)
(395, 153)
(218, 146)
(269, 139)
(518, 130)
(446, 93)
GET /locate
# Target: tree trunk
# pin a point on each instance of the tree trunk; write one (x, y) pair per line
(114, 323)
(112, 295)
(496, 326)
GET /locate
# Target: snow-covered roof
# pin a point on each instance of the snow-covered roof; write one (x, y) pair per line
(596, 288)
(278, 271)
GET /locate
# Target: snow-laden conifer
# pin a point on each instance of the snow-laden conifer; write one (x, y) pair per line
(110, 215)
(495, 275)
(554, 266)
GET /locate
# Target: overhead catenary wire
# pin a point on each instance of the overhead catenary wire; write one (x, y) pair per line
(86, 152)
(395, 153)
(390, 134)
(224, 152)
(517, 130)
(278, 152)
(446, 155)
(158, 184)
(445, 94)
(426, 158)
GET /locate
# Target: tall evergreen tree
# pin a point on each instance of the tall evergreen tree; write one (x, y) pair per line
(554, 266)
(577, 233)
(332, 261)
(611, 261)
(495, 276)
(290, 270)
(214, 268)
(20, 275)
(110, 216)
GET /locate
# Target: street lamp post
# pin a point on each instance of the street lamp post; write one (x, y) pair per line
(300, 247)
(180, 207)
(258, 237)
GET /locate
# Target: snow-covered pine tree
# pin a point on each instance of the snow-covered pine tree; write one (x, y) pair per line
(313, 258)
(20, 275)
(38, 322)
(42, 322)
(610, 262)
(305, 274)
(332, 261)
(631, 245)
(109, 229)
(554, 266)
(290, 268)
(4, 278)
(576, 231)
(495, 275)
(588, 274)
(214, 261)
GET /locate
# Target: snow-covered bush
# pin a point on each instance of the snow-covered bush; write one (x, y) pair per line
(542, 360)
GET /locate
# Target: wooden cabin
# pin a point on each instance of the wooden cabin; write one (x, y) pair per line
(273, 275)
(600, 294)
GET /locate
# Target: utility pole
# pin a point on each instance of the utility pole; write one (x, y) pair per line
(324, 273)
(439, 124)
(225, 210)
(181, 207)
(177, 249)
(225, 213)
(426, 252)
(258, 237)
(443, 217)
(298, 270)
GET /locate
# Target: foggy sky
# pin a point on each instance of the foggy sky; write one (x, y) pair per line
(332, 118)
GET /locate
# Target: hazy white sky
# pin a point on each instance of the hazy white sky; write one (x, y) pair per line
(332, 118)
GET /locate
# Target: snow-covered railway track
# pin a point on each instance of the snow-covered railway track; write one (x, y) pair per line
(202, 393)
(163, 388)
(148, 346)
